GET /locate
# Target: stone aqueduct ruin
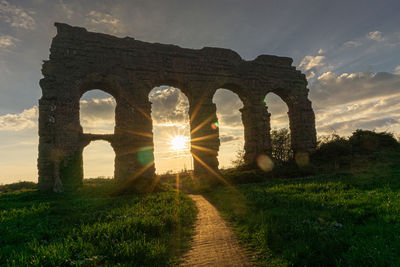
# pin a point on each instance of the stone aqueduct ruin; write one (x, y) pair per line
(129, 69)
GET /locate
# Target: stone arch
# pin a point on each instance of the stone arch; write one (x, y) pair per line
(279, 125)
(96, 109)
(95, 166)
(301, 119)
(162, 138)
(110, 84)
(232, 136)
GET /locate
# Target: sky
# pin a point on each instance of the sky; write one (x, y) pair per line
(349, 50)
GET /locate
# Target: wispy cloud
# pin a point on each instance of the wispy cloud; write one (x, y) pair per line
(312, 65)
(16, 17)
(382, 114)
(376, 36)
(358, 100)
(27, 119)
(97, 115)
(310, 62)
(392, 39)
(228, 138)
(331, 89)
(67, 10)
(111, 23)
(397, 70)
(7, 41)
(352, 43)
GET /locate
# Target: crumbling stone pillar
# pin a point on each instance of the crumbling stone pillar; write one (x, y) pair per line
(256, 122)
(60, 148)
(47, 144)
(204, 134)
(302, 126)
(133, 140)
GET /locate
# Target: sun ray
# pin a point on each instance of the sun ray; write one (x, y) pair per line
(198, 127)
(149, 135)
(130, 180)
(212, 151)
(134, 150)
(213, 172)
(210, 136)
(155, 182)
(196, 110)
(145, 114)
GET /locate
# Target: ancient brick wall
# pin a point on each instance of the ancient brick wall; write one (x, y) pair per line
(129, 69)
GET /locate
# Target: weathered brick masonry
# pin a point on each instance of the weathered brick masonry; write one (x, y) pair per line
(129, 69)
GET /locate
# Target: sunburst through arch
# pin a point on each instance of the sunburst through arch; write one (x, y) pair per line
(171, 129)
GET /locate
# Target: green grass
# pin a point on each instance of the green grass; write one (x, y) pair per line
(325, 220)
(91, 228)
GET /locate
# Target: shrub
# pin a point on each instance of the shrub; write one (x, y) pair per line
(360, 149)
(333, 149)
(363, 141)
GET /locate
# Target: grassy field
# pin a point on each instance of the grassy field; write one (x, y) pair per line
(91, 228)
(324, 220)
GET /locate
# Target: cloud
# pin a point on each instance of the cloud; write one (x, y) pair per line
(228, 138)
(278, 110)
(310, 75)
(352, 43)
(397, 70)
(311, 65)
(16, 17)
(228, 106)
(359, 100)
(68, 11)
(376, 36)
(111, 23)
(169, 105)
(331, 89)
(98, 109)
(349, 126)
(7, 41)
(27, 119)
(310, 62)
(98, 115)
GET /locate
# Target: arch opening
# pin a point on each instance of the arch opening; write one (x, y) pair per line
(280, 128)
(97, 112)
(98, 160)
(171, 129)
(231, 129)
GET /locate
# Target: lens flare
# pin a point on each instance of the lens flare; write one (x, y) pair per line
(265, 163)
(302, 159)
(214, 125)
(145, 155)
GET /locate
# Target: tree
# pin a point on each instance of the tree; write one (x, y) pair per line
(281, 145)
(239, 160)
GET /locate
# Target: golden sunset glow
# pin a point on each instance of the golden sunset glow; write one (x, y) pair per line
(179, 143)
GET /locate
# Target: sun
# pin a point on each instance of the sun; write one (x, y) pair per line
(179, 143)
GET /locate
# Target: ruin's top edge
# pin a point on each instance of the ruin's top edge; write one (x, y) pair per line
(66, 29)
